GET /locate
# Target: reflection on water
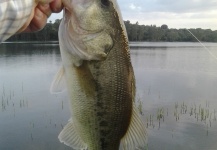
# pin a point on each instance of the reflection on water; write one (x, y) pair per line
(168, 76)
(30, 117)
(176, 86)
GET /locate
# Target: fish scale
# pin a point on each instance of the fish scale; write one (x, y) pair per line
(99, 77)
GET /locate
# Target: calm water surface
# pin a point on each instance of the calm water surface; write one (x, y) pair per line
(177, 80)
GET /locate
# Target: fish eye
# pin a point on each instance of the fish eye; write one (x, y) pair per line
(105, 3)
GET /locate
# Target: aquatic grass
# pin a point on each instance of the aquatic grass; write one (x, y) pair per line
(31, 136)
(207, 130)
(3, 90)
(199, 108)
(210, 120)
(9, 101)
(201, 113)
(176, 114)
(214, 115)
(147, 121)
(191, 111)
(3, 105)
(160, 113)
(184, 108)
(140, 106)
(150, 121)
(10, 95)
(149, 90)
(207, 113)
(22, 86)
(62, 104)
(207, 103)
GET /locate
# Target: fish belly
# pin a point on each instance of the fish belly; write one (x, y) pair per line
(101, 101)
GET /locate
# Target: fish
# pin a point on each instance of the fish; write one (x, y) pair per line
(98, 75)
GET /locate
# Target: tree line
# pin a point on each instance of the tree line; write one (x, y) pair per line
(135, 32)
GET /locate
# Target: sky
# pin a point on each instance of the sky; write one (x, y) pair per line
(174, 13)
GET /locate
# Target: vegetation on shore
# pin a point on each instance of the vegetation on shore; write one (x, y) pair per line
(135, 32)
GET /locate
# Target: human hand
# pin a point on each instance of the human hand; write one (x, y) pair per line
(39, 15)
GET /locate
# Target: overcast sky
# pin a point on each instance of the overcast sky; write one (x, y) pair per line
(174, 13)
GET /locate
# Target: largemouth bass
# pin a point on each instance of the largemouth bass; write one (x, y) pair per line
(99, 77)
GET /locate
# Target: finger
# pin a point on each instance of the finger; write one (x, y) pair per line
(56, 6)
(43, 1)
(38, 22)
(44, 8)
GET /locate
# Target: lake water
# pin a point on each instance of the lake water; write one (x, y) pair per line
(176, 89)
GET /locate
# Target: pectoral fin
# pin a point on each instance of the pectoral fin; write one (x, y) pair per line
(58, 84)
(136, 136)
(70, 137)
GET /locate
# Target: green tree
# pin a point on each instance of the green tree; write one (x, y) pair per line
(164, 27)
(135, 32)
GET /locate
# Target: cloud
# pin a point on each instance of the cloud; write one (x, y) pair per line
(175, 13)
(174, 6)
(185, 6)
(132, 6)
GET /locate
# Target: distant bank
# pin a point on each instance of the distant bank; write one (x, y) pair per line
(135, 32)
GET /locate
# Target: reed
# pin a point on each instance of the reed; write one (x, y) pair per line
(62, 105)
(176, 114)
(140, 106)
(202, 113)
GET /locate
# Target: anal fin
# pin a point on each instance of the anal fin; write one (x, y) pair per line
(70, 137)
(136, 136)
